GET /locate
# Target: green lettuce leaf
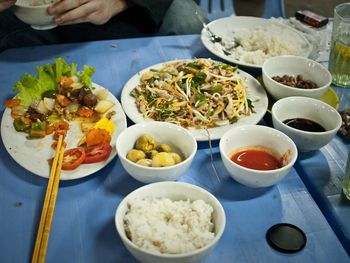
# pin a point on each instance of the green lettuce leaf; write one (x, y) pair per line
(31, 87)
(85, 76)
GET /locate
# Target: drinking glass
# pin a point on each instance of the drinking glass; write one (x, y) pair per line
(339, 59)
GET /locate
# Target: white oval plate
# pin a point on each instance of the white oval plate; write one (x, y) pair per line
(225, 28)
(33, 154)
(255, 92)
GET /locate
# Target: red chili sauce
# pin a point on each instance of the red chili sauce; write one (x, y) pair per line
(257, 159)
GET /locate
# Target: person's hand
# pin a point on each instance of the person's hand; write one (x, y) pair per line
(4, 4)
(97, 12)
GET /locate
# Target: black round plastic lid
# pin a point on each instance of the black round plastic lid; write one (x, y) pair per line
(286, 238)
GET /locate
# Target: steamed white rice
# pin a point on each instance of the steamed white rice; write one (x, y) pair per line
(259, 44)
(166, 226)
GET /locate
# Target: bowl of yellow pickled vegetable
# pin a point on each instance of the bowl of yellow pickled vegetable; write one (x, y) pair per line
(156, 151)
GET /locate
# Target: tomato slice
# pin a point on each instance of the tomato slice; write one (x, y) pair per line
(72, 158)
(97, 153)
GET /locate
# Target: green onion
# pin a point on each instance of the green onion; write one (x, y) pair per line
(250, 105)
(133, 93)
(199, 78)
(217, 88)
(194, 65)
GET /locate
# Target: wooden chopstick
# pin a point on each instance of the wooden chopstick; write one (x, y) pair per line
(43, 234)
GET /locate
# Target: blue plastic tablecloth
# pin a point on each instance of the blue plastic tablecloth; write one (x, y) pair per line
(83, 227)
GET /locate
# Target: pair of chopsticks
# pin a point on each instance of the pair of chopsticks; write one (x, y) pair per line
(42, 238)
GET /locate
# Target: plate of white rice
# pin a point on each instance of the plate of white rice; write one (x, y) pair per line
(256, 39)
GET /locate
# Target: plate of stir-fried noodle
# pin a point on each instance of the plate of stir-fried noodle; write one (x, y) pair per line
(203, 95)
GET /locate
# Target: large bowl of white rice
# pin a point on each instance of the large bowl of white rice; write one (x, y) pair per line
(170, 222)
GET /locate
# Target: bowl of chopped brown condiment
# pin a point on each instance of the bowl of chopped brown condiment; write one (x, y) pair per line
(296, 82)
(286, 76)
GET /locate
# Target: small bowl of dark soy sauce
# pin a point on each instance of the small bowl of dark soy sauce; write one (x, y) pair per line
(309, 122)
(304, 125)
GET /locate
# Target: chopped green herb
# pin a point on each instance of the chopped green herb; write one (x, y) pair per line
(217, 88)
(133, 93)
(199, 78)
(194, 65)
(250, 105)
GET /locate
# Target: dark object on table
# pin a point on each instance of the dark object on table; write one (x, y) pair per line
(311, 18)
(286, 238)
(345, 126)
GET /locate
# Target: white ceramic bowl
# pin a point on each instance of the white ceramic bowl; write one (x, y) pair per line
(180, 139)
(306, 108)
(293, 66)
(174, 191)
(252, 136)
(34, 15)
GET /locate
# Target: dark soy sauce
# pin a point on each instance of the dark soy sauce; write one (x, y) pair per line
(304, 124)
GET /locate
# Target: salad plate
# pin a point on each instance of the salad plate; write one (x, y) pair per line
(62, 100)
(231, 29)
(33, 154)
(255, 93)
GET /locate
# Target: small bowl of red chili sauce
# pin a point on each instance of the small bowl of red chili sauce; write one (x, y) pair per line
(256, 155)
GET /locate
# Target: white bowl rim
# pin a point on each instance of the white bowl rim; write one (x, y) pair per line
(217, 237)
(298, 58)
(313, 100)
(261, 172)
(150, 123)
(33, 6)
